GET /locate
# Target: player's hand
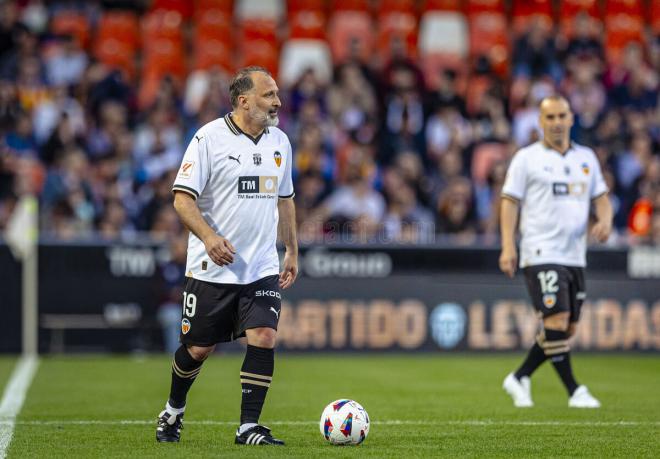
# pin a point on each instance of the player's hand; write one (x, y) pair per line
(601, 231)
(219, 250)
(509, 261)
(289, 270)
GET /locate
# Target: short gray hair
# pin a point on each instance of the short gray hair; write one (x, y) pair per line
(242, 82)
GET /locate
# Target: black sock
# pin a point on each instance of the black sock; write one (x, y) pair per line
(184, 371)
(534, 359)
(256, 375)
(556, 348)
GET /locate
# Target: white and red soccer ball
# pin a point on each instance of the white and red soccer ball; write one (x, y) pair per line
(344, 422)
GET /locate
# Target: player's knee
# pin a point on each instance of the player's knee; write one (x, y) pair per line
(261, 337)
(200, 353)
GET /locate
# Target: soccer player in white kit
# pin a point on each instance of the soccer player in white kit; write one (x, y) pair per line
(234, 193)
(554, 183)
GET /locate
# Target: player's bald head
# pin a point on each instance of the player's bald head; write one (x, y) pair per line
(554, 103)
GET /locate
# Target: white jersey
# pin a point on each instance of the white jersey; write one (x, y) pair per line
(555, 192)
(237, 180)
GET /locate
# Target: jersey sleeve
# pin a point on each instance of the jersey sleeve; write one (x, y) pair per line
(194, 171)
(598, 185)
(516, 177)
(286, 186)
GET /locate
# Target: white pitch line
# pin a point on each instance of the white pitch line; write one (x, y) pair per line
(389, 422)
(13, 398)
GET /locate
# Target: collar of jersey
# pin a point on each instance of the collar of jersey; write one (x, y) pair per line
(233, 127)
(571, 146)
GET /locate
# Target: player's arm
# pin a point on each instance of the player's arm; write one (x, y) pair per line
(218, 248)
(508, 223)
(286, 230)
(604, 214)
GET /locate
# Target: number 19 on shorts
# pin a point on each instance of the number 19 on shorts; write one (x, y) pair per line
(189, 304)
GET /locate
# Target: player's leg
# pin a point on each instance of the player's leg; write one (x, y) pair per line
(259, 310)
(581, 397)
(204, 306)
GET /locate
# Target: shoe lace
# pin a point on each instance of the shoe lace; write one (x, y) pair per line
(163, 422)
(263, 430)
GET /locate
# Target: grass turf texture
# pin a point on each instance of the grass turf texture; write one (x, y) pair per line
(436, 398)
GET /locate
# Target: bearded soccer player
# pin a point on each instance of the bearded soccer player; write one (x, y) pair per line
(234, 193)
(555, 183)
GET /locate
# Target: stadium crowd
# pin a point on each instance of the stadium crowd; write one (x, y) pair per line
(379, 154)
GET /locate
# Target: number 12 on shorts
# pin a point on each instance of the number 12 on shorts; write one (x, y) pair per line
(548, 281)
(189, 304)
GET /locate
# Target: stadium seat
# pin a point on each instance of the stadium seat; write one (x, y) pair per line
(213, 24)
(568, 9)
(473, 7)
(299, 55)
(209, 53)
(351, 33)
(116, 54)
(119, 25)
(396, 6)
(434, 64)
(349, 5)
(442, 5)
(164, 57)
(183, 7)
(443, 32)
(489, 37)
(161, 24)
(654, 14)
(69, 22)
(267, 10)
(296, 6)
(620, 30)
(258, 29)
(307, 24)
(400, 26)
(526, 13)
(260, 52)
(226, 6)
(627, 7)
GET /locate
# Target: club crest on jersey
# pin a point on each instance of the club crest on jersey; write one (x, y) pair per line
(257, 159)
(549, 300)
(186, 169)
(278, 158)
(585, 168)
(185, 326)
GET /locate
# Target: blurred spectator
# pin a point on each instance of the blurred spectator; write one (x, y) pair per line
(456, 213)
(66, 63)
(535, 54)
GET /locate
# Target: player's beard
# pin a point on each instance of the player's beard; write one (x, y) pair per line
(264, 118)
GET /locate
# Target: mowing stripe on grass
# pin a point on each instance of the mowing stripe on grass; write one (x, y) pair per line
(388, 422)
(13, 399)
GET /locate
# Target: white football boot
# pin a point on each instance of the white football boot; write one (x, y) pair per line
(581, 398)
(520, 391)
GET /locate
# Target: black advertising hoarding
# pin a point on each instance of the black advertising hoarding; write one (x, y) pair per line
(387, 298)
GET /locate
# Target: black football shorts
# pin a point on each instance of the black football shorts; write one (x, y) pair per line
(215, 313)
(556, 288)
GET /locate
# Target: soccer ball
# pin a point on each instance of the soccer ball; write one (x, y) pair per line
(344, 422)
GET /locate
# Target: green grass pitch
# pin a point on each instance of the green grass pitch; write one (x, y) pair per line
(420, 406)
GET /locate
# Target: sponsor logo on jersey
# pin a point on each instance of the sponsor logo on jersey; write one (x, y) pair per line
(185, 326)
(549, 300)
(585, 168)
(250, 187)
(569, 189)
(271, 293)
(278, 158)
(186, 169)
(257, 159)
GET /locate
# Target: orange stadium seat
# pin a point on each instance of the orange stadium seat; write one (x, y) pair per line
(164, 57)
(307, 24)
(570, 8)
(400, 26)
(161, 24)
(117, 54)
(628, 7)
(349, 5)
(654, 14)
(211, 53)
(400, 6)
(620, 30)
(473, 7)
(119, 25)
(226, 6)
(258, 29)
(489, 37)
(71, 23)
(526, 13)
(260, 52)
(183, 7)
(351, 33)
(442, 5)
(213, 24)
